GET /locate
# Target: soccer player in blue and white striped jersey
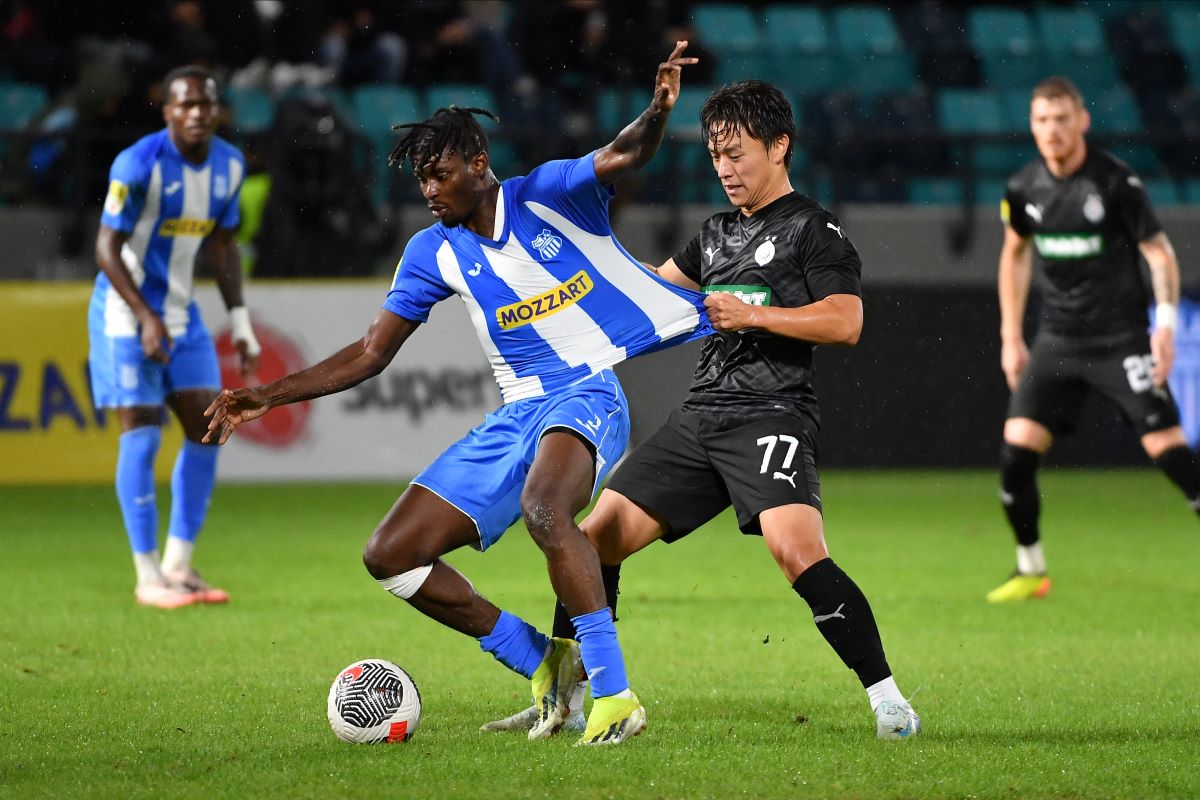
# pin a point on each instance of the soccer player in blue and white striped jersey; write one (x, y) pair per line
(556, 302)
(168, 193)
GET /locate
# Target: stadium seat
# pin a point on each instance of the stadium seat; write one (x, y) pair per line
(734, 37)
(989, 192)
(1075, 30)
(875, 58)
(19, 104)
(935, 191)
(1116, 111)
(1162, 192)
(1141, 157)
(1191, 192)
(378, 108)
(970, 111)
(684, 122)
(252, 109)
(1184, 26)
(616, 108)
(464, 95)
(794, 30)
(997, 30)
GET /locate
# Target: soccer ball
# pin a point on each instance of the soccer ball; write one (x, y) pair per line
(374, 701)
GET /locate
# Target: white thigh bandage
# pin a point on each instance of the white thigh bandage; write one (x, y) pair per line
(407, 584)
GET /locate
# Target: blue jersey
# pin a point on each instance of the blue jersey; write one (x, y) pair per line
(167, 205)
(554, 297)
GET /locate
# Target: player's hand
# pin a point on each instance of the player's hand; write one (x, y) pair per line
(156, 342)
(249, 363)
(727, 313)
(231, 408)
(1014, 356)
(1162, 351)
(666, 85)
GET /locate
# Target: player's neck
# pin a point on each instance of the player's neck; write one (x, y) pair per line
(776, 190)
(1070, 165)
(196, 154)
(482, 221)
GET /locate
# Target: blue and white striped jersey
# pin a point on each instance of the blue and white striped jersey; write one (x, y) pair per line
(167, 205)
(554, 297)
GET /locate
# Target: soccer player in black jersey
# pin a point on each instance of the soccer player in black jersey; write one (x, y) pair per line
(781, 278)
(1087, 216)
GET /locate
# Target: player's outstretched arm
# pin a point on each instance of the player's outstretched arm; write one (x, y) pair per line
(348, 367)
(638, 142)
(155, 339)
(1016, 271)
(227, 267)
(1164, 277)
(834, 319)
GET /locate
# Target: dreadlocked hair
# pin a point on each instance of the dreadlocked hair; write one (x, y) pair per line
(454, 129)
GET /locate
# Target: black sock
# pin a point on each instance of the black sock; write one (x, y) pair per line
(564, 628)
(844, 618)
(1181, 467)
(1019, 491)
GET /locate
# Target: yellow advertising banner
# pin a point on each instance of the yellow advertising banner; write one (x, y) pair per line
(49, 430)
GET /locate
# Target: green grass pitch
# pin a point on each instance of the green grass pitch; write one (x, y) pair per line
(1091, 693)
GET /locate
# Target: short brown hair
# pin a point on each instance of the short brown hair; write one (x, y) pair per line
(1058, 86)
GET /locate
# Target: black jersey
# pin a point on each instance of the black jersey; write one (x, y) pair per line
(1086, 229)
(790, 253)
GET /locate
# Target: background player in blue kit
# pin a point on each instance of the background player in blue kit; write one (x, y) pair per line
(168, 194)
(556, 302)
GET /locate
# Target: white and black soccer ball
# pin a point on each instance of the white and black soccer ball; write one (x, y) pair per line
(374, 701)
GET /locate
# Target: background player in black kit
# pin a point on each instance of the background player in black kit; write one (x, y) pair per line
(1087, 215)
(781, 277)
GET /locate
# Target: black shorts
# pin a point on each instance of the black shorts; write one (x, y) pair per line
(696, 465)
(1062, 371)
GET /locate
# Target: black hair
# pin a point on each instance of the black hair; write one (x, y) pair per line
(752, 107)
(188, 71)
(454, 129)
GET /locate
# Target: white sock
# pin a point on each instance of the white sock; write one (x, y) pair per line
(1030, 559)
(886, 689)
(147, 568)
(178, 554)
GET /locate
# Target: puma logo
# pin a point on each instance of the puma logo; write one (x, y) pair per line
(837, 613)
(779, 476)
(708, 251)
(1034, 212)
(836, 228)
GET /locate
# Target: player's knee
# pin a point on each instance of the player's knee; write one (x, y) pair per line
(389, 552)
(1018, 466)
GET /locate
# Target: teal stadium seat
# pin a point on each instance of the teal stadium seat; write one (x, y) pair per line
(935, 191)
(1140, 157)
(20, 103)
(1005, 40)
(1183, 20)
(1191, 192)
(377, 109)
(464, 95)
(252, 109)
(970, 111)
(1073, 41)
(799, 48)
(876, 61)
(1116, 111)
(616, 108)
(684, 122)
(734, 36)
(1162, 192)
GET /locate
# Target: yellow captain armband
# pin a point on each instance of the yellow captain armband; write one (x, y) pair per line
(1005, 211)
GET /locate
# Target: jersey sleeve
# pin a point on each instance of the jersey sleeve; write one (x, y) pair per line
(417, 286)
(831, 264)
(572, 188)
(1137, 215)
(127, 183)
(231, 215)
(688, 260)
(1012, 209)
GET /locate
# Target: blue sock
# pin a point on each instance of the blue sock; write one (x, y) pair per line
(135, 486)
(516, 644)
(192, 488)
(602, 659)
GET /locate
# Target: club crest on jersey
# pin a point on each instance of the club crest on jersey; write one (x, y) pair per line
(547, 244)
(765, 252)
(1093, 208)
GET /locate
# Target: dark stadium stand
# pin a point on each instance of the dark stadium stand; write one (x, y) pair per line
(898, 103)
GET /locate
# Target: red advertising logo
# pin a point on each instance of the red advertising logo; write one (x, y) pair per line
(280, 357)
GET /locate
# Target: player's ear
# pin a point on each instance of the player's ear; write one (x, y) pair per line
(479, 164)
(1085, 122)
(779, 149)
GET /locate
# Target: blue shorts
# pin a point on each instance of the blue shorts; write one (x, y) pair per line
(482, 474)
(123, 377)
